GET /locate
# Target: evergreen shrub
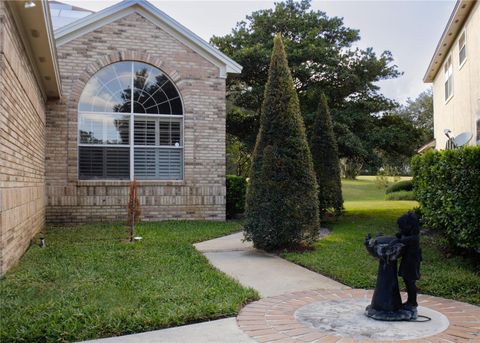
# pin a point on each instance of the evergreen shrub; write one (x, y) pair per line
(447, 185)
(406, 185)
(282, 203)
(236, 192)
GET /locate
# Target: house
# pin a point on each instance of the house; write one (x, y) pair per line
(455, 73)
(123, 93)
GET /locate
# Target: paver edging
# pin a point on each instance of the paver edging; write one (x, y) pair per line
(272, 319)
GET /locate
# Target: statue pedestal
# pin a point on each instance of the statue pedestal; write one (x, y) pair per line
(386, 301)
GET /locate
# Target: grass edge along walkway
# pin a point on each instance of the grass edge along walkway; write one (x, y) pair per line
(90, 283)
(342, 256)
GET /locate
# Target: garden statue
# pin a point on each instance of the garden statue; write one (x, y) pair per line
(386, 302)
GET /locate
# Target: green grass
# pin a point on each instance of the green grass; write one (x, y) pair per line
(89, 283)
(343, 257)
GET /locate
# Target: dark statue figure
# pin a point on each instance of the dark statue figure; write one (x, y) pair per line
(386, 302)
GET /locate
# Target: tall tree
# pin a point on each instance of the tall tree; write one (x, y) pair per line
(322, 58)
(420, 112)
(282, 204)
(325, 159)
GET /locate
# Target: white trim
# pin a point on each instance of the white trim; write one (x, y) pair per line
(449, 58)
(51, 44)
(94, 21)
(464, 32)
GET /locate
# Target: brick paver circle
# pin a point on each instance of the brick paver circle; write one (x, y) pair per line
(272, 319)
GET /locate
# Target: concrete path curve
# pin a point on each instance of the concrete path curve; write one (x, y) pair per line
(269, 274)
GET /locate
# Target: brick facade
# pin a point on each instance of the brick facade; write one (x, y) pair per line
(201, 195)
(22, 146)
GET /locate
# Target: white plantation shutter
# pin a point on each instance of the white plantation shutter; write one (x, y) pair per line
(144, 131)
(158, 163)
(104, 163)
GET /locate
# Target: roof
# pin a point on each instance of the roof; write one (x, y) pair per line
(458, 17)
(64, 14)
(35, 28)
(428, 146)
(159, 18)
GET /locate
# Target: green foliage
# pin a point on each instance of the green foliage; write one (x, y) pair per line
(89, 282)
(405, 185)
(386, 176)
(447, 184)
(420, 112)
(401, 195)
(395, 140)
(238, 157)
(341, 254)
(236, 191)
(325, 159)
(282, 203)
(324, 58)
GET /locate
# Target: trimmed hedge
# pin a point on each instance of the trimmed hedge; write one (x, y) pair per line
(447, 184)
(236, 192)
(400, 195)
(406, 185)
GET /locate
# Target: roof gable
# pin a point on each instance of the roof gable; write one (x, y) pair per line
(122, 9)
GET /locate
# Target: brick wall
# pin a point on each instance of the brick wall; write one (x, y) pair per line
(201, 195)
(22, 147)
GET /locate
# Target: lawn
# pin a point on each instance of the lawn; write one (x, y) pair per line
(88, 283)
(343, 257)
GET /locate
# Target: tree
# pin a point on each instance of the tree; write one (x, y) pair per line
(420, 113)
(322, 59)
(282, 204)
(396, 140)
(325, 159)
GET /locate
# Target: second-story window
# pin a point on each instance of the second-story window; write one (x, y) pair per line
(462, 49)
(448, 78)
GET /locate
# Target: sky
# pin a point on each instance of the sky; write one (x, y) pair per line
(409, 29)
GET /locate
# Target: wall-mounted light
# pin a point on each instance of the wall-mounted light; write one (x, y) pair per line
(29, 4)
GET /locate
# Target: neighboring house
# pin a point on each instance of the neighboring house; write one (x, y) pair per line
(128, 93)
(455, 73)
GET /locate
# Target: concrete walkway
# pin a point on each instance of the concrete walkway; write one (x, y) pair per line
(270, 275)
(216, 331)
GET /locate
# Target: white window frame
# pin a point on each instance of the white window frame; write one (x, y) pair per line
(131, 146)
(461, 63)
(448, 74)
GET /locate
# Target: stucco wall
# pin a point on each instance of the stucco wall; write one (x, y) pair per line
(22, 146)
(201, 195)
(462, 111)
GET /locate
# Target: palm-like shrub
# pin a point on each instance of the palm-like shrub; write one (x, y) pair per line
(282, 205)
(325, 159)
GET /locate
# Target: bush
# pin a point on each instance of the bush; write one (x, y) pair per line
(447, 185)
(406, 185)
(236, 191)
(325, 160)
(400, 195)
(282, 202)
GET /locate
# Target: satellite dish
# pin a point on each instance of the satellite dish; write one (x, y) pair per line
(462, 139)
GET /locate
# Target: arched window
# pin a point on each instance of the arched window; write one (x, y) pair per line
(119, 138)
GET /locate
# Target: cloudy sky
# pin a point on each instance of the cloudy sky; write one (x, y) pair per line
(409, 29)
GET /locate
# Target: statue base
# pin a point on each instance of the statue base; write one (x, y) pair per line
(403, 314)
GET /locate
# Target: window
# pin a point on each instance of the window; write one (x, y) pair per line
(448, 78)
(462, 49)
(130, 124)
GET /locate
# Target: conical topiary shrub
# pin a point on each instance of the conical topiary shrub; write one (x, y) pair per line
(325, 159)
(282, 204)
